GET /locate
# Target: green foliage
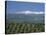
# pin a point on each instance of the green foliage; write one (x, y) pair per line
(24, 27)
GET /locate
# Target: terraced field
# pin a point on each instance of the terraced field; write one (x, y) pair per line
(12, 28)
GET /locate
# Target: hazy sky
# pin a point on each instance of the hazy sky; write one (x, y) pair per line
(14, 6)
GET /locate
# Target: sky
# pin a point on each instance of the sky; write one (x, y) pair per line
(14, 6)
